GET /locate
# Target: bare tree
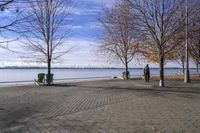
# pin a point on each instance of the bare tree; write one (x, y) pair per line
(159, 21)
(195, 46)
(179, 51)
(180, 56)
(45, 34)
(194, 33)
(119, 33)
(7, 22)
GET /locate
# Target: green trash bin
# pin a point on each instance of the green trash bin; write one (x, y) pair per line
(51, 78)
(124, 75)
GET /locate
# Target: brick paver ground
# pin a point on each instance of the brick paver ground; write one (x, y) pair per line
(101, 107)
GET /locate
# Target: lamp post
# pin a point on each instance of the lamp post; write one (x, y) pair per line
(187, 72)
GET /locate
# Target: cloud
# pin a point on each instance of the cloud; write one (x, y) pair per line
(105, 2)
(81, 56)
(73, 27)
(85, 11)
(94, 25)
(90, 7)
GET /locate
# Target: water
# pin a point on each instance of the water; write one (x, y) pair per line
(28, 75)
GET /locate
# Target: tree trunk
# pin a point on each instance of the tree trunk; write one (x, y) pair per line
(198, 70)
(49, 73)
(183, 68)
(161, 83)
(197, 65)
(126, 71)
(48, 64)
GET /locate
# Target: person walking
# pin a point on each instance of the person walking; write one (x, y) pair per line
(147, 73)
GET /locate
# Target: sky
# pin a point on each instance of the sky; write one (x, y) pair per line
(84, 37)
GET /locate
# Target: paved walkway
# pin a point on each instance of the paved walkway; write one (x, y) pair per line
(101, 106)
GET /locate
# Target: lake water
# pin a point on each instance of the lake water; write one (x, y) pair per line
(8, 76)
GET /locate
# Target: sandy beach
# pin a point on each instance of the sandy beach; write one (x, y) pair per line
(106, 106)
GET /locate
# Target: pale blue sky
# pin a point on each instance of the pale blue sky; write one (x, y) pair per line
(85, 31)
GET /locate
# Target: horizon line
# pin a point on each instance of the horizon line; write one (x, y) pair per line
(35, 67)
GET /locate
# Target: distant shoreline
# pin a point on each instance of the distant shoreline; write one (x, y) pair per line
(82, 68)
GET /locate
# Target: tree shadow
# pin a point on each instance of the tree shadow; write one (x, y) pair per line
(14, 117)
(191, 90)
(61, 85)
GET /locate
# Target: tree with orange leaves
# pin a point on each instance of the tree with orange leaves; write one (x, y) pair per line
(120, 34)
